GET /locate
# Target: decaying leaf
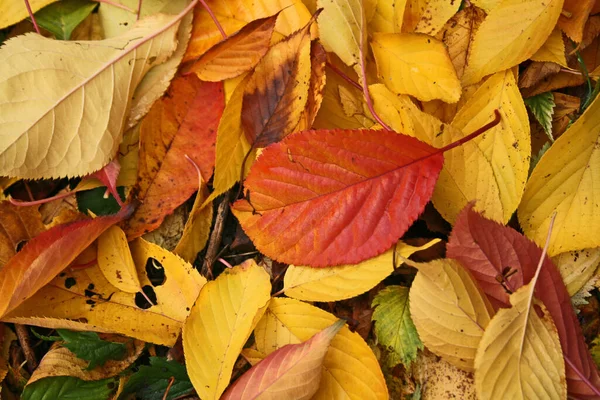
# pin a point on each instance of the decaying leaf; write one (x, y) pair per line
(428, 16)
(17, 226)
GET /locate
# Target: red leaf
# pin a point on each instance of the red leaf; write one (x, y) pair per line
(336, 197)
(108, 176)
(44, 256)
(486, 248)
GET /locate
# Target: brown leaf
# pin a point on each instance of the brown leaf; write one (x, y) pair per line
(17, 226)
(574, 16)
(536, 71)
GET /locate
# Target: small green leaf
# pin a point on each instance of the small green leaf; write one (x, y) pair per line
(394, 327)
(151, 382)
(44, 337)
(94, 201)
(536, 157)
(62, 17)
(542, 108)
(88, 346)
(69, 388)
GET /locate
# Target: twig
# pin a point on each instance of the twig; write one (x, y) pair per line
(171, 380)
(215, 237)
(121, 6)
(35, 25)
(225, 263)
(19, 203)
(214, 18)
(25, 342)
(139, 10)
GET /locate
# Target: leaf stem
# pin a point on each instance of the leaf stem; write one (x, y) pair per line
(486, 127)
(35, 25)
(214, 18)
(139, 10)
(581, 376)
(20, 203)
(344, 76)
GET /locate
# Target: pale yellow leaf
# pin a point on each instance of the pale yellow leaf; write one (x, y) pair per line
(343, 282)
(512, 32)
(415, 64)
(350, 369)
(520, 356)
(388, 16)
(71, 125)
(197, 228)
(85, 300)
(13, 11)
(553, 50)
(566, 180)
(115, 260)
(577, 267)
(449, 310)
(220, 323)
(441, 380)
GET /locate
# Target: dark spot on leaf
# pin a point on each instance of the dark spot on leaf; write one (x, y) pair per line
(91, 302)
(155, 272)
(91, 286)
(70, 282)
(141, 301)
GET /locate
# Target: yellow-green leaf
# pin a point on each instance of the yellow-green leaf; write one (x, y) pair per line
(115, 260)
(65, 103)
(566, 180)
(220, 323)
(415, 64)
(512, 32)
(350, 369)
(343, 282)
(449, 310)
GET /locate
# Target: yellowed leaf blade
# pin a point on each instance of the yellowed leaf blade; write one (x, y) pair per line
(115, 260)
(219, 324)
(415, 64)
(388, 16)
(74, 126)
(68, 299)
(197, 228)
(60, 361)
(520, 356)
(350, 369)
(553, 50)
(512, 32)
(566, 180)
(432, 15)
(340, 26)
(291, 372)
(577, 267)
(344, 282)
(13, 11)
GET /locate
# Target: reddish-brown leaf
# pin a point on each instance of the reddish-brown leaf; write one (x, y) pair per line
(235, 55)
(183, 123)
(44, 256)
(108, 176)
(491, 251)
(326, 197)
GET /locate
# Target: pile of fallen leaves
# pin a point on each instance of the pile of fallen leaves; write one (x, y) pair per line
(299, 199)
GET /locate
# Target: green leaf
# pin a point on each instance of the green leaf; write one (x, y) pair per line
(542, 108)
(595, 350)
(94, 201)
(69, 388)
(151, 382)
(394, 327)
(88, 346)
(44, 337)
(62, 17)
(536, 157)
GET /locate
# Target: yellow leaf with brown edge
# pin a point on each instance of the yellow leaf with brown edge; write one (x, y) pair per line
(519, 356)
(511, 33)
(235, 55)
(115, 260)
(553, 50)
(566, 181)
(428, 16)
(577, 267)
(220, 323)
(350, 369)
(85, 300)
(449, 310)
(60, 361)
(277, 90)
(318, 60)
(234, 14)
(415, 64)
(344, 282)
(13, 11)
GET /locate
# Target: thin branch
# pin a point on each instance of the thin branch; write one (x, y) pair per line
(215, 237)
(35, 25)
(214, 18)
(25, 342)
(19, 203)
(171, 380)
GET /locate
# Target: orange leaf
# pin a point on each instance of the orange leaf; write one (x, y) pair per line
(44, 256)
(183, 123)
(276, 376)
(575, 15)
(336, 197)
(236, 54)
(276, 92)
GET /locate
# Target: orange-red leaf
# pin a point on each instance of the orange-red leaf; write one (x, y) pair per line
(183, 123)
(331, 197)
(237, 54)
(291, 372)
(108, 176)
(44, 256)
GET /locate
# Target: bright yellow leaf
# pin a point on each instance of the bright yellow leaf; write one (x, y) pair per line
(115, 260)
(577, 267)
(512, 32)
(350, 369)
(486, 5)
(449, 310)
(566, 180)
(197, 228)
(388, 16)
(428, 16)
(13, 11)
(415, 64)
(72, 124)
(553, 50)
(344, 282)
(520, 356)
(220, 323)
